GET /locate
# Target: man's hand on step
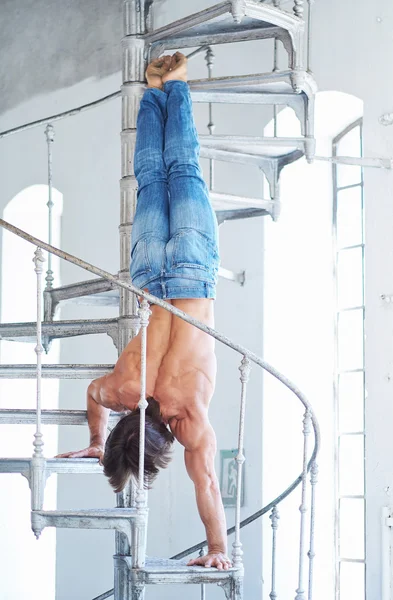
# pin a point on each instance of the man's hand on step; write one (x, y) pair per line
(212, 559)
(93, 451)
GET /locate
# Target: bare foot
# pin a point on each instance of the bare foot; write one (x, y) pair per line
(156, 69)
(178, 68)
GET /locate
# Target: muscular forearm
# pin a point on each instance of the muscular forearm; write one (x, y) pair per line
(97, 418)
(211, 511)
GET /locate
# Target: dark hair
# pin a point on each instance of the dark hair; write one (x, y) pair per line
(121, 458)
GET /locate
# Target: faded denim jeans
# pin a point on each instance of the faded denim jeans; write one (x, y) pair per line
(174, 245)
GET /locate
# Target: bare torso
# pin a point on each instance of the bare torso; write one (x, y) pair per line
(181, 366)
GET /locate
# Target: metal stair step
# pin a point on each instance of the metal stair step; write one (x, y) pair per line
(241, 213)
(20, 416)
(105, 518)
(162, 570)
(254, 150)
(53, 465)
(76, 292)
(26, 332)
(228, 22)
(86, 292)
(55, 371)
(222, 201)
(257, 88)
(295, 89)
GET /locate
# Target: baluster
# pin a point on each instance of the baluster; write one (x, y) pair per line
(38, 260)
(309, 38)
(144, 314)
(276, 4)
(211, 126)
(37, 473)
(237, 10)
(298, 8)
(311, 552)
(274, 517)
(237, 552)
(50, 137)
(303, 507)
(203, 587)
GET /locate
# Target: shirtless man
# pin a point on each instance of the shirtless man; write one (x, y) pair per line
(175, 257)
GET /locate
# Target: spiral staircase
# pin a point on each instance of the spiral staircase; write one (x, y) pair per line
(227, 22)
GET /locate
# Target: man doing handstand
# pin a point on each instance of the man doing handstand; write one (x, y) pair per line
(175, 257)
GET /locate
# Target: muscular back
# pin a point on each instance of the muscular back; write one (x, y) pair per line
(181, 368)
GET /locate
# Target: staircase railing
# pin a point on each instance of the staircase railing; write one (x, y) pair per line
(38, 473)
(248, 357)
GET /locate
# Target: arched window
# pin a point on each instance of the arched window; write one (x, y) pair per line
(28, 211)
(299, 333)
(349, 390)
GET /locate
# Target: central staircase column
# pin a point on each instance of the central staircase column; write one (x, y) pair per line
(133, 63)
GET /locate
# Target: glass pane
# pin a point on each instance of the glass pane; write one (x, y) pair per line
(350, 278)
(351, 402)
(349, 217)
(350, 145)
(352, 581)
(351, 465)
(352, 528)
(350, 340)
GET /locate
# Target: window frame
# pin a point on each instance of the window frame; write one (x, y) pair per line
(338, 435)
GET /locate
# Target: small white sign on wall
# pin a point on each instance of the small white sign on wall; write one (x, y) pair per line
(228, 478)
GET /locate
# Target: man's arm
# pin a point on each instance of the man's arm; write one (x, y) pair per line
(198, 437)
(97, 419)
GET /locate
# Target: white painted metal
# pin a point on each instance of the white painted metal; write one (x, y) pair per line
(311, 552)
(38, 441)
(144, 314)
(37, 473)
(299, 8)
(203, 587)
(20, 416)
(24, 466)
(60, 329)
(309, 36)
(217, 25)
(120, 519)
(300, 592)
(54, 371)
(274, 518)
(235, 586)
(211, 126)
(229, 21)
(237, 553)
(50, 138)
(170, 308)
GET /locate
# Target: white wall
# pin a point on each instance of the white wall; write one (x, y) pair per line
(352, 52)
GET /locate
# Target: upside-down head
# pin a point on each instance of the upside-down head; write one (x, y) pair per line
(121, 458)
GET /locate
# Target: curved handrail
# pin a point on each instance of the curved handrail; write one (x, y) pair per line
(210, 331)
(175, 311)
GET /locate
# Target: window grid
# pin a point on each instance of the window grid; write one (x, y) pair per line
(342, 561)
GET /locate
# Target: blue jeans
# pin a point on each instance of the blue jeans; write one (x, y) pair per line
(174, 244)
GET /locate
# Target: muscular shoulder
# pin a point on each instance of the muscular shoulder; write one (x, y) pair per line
(191, 429)
(107, 391)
